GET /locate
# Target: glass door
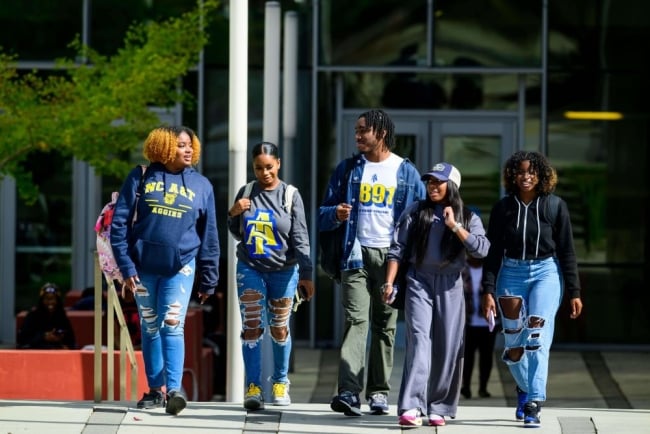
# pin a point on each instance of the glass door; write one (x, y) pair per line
(479, 148)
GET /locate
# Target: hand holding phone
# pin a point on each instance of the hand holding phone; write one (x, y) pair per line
(491, 321)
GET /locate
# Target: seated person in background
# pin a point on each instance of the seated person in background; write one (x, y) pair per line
(47, 325)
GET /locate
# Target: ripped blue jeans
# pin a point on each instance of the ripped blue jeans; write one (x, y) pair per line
(265, 298)
(528, 294)
(162, 307)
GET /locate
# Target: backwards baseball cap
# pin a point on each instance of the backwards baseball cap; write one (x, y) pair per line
(444, 172)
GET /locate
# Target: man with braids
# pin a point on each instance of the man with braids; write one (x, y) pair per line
(367, 195)
(530, 262)
(173, 238)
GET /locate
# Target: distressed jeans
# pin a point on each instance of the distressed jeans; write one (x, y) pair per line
(266, 298)
(528, 295)
(162, 306)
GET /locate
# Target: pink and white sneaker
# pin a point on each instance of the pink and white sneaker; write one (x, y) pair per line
(436, 420)
(410, 418)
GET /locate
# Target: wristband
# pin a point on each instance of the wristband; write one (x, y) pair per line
(456, 227)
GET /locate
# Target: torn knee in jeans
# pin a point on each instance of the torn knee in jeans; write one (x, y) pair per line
(535, 326)
(510, 306)
(535, 322)
(279, 334)
(172, 314)
(513, 354)
(280, 312)
(251, 307)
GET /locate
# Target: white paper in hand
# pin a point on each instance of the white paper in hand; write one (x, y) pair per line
(491, 321)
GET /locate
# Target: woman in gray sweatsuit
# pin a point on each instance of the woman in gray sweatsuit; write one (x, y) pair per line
(439, 231)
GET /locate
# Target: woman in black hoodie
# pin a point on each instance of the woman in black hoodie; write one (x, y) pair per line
(530, 264)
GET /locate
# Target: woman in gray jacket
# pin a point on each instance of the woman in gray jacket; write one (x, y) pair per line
(438, 231)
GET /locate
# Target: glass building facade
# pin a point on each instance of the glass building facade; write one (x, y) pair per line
(468, 82)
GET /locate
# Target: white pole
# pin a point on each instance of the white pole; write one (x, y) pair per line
(272, 26)
(237, 143)
(271, 133)
(289, 88)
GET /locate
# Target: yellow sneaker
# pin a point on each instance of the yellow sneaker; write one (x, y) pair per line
(254, 400)
(281, 394)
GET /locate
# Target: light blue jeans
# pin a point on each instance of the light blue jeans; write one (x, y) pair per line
(266, 298)
(536, 288)
(162, 307)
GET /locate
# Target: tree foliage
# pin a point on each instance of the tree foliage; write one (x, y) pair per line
(98, 110)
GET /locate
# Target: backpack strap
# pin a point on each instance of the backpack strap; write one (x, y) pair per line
(288, 197)
(247, 192)
(138, 193)
(552, 208)
(349, 165)
(248, 189)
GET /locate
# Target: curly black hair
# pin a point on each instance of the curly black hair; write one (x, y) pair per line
(546, 174)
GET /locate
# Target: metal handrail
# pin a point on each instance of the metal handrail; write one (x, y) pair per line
(113, 308)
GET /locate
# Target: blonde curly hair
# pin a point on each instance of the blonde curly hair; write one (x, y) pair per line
(162, 143)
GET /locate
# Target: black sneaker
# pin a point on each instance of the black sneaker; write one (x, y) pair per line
(347, 403)
(152, 399)
(532, 411)
(176, 402)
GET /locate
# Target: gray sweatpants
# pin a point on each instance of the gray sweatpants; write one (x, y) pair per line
(435, 327)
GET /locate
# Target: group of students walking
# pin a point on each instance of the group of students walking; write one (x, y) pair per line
(392, 217)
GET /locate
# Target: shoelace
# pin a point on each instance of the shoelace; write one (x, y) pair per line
(253, 390)
(279, 389)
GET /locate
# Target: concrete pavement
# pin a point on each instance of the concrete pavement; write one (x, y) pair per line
(590, 391)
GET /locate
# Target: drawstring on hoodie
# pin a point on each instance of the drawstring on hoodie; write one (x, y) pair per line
(525, 220)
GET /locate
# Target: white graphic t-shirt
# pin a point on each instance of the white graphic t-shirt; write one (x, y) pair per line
(376, 202)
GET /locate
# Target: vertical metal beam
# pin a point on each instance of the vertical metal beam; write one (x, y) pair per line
(272, 32)
(86, 196)
(543, 120)
(431, 56)
(271, 133)
(289, 93)
(313, 224)
(521, 113)
(237, 141)
(8, 262)
(200, 117)
(86, 204)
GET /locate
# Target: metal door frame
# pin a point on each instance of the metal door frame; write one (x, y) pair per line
(432, 125)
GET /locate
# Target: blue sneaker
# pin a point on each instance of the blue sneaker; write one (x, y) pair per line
(532, 410)
(522, 398)
(347, 403)
(378, 403)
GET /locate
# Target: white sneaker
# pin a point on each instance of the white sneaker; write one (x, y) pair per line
(281, 394)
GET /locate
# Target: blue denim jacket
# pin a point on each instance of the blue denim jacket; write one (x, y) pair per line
(409, 188)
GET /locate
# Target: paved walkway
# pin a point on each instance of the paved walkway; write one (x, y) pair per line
(590, 391)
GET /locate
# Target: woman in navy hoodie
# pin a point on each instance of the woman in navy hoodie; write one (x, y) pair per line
(174, 237)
